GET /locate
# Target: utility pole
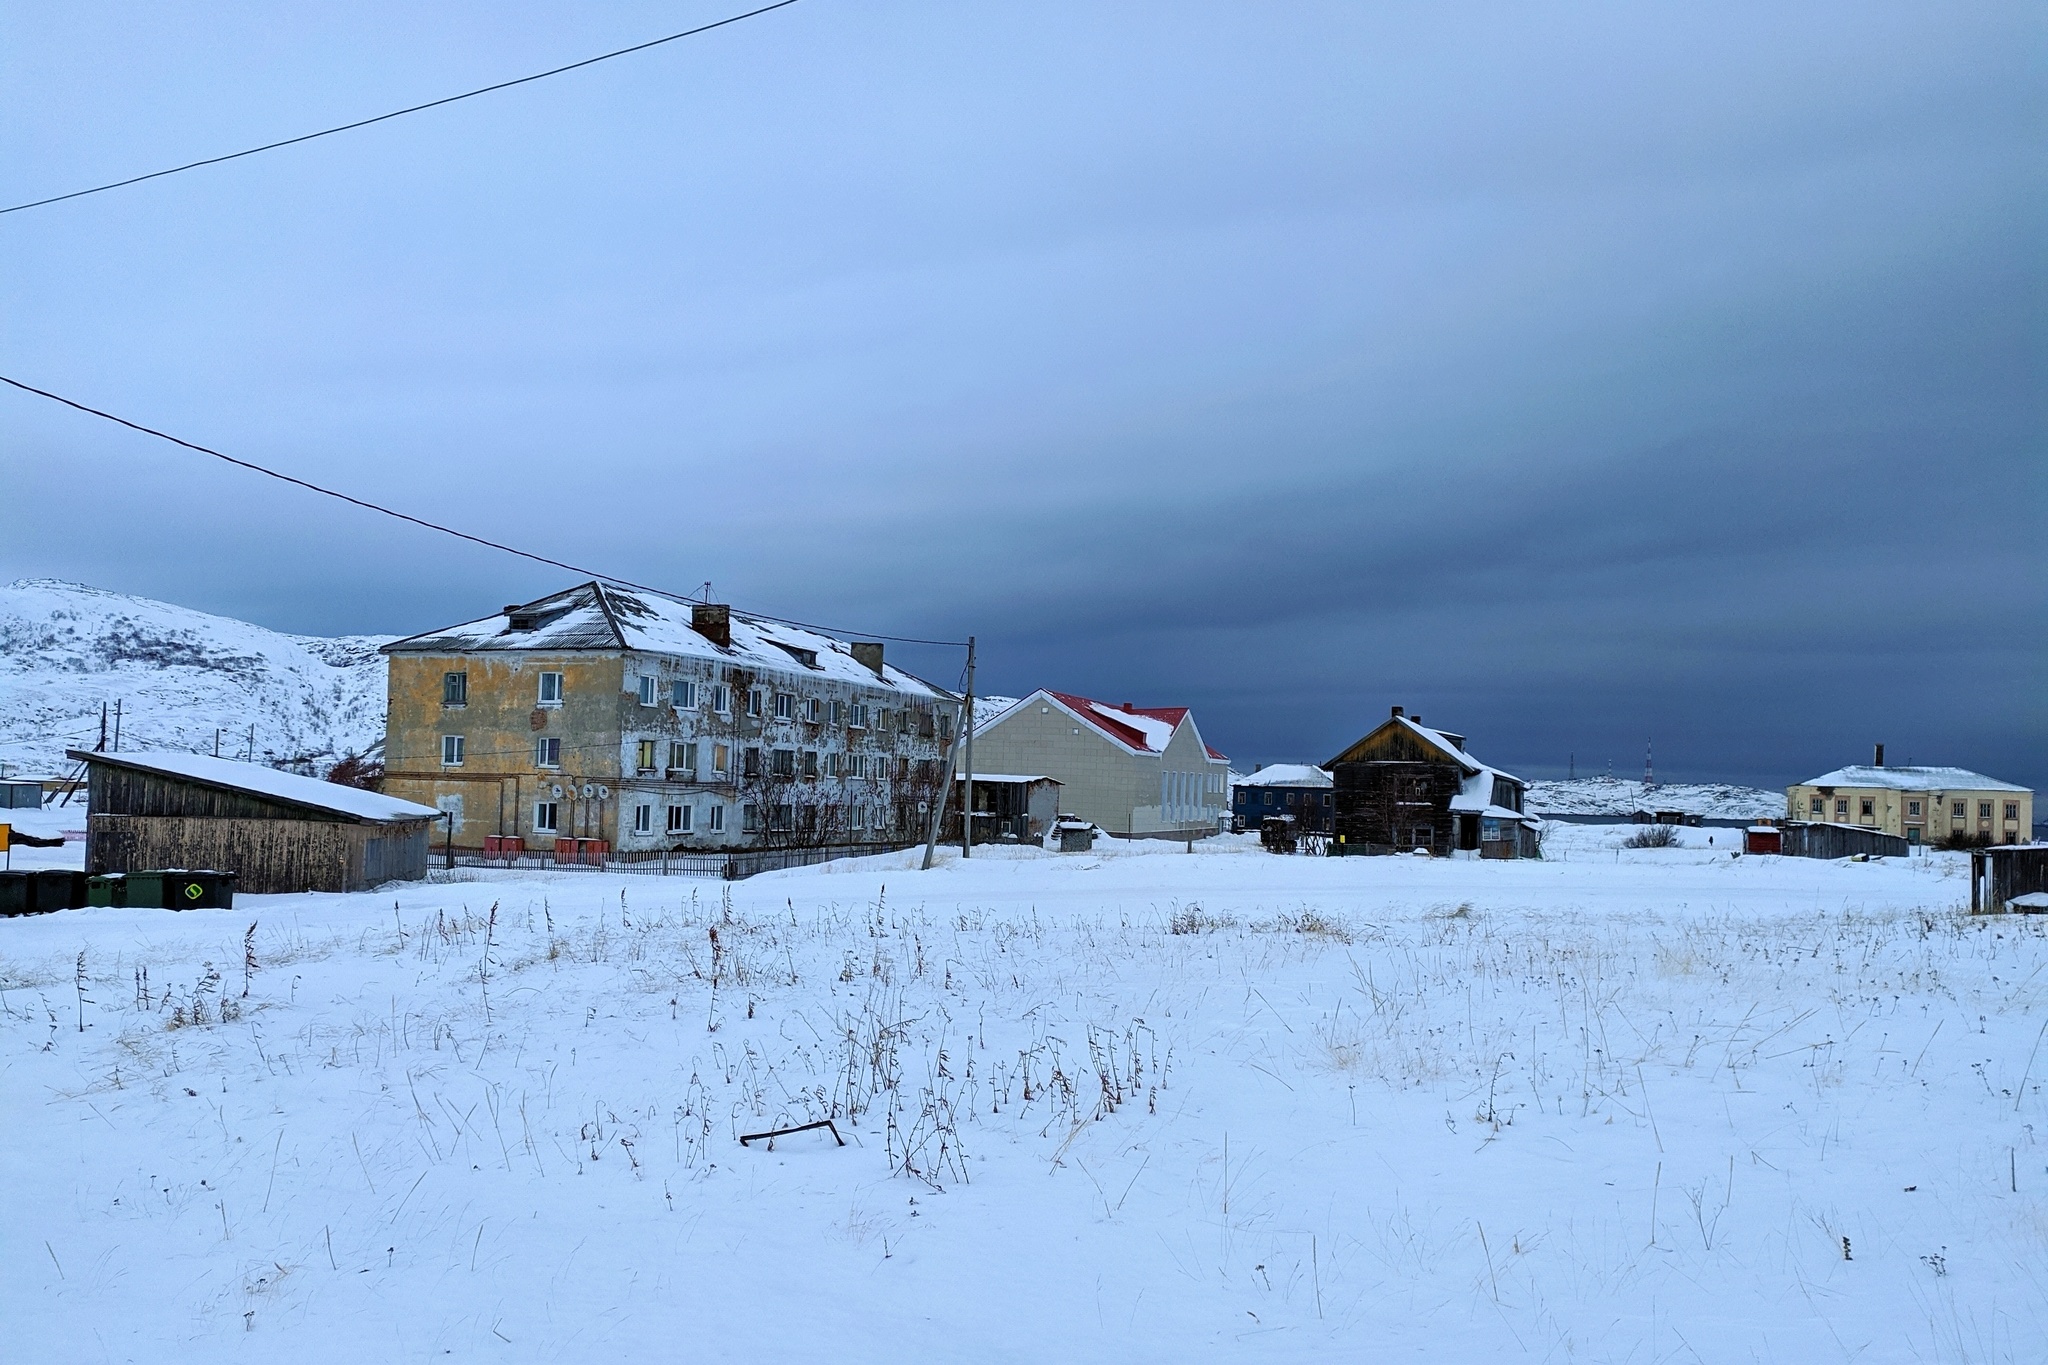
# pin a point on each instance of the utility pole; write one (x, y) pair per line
(117, 726)
(101, 747)
(967, 761)
(249, 754)
(216, 741)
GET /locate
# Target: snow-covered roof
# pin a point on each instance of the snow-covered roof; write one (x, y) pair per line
(1912, 779)
(1008, 777)
(1140, 729)
(1287, 775)
(603, 616)
(270, 784)
(1475, 795)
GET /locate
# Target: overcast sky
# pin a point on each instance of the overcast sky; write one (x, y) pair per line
(1572, 375)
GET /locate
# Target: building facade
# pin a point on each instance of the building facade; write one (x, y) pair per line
(1951, 806)
(1405, 787)
(653, 723)
(1136, 771)
(1300, 791)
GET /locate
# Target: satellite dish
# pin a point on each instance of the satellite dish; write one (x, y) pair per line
(589, 790)
(556, 789)
(603, 792)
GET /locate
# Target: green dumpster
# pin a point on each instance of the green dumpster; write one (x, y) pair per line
(199, 890)
(109, 888)
(145, 889)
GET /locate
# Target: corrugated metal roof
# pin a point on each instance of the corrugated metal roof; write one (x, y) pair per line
(270, 784)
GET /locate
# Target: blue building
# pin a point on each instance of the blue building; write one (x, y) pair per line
(1296, 789)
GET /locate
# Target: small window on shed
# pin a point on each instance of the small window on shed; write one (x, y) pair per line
(455, 689)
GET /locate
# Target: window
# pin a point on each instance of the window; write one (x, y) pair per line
(1841, 808)
(1913, 809)
(682, 756)
(550, 689)
(1867, 808)
(946, 726)
(785, 706)
(858, 715)
(451, 750)
(720, 756)
(812, 708)
(750, 762)
(643, 819)
(810, 763)
(754, 702)
(1958, 811)
(680, 818)
(650, 690)
(750, 818)
(2012, 810)
(682, 694)
(546, 817)
(785, 763)
(838, 713)
(782, 817)
(1983, 810)
(1813, 805)
(547, 752)
(718, 819)
(721, 699)
(643, 757)
(455, 689)
(860, 818)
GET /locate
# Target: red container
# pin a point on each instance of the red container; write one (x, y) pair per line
(592, 851)
(1762, 839)
(503, 846)
(565, 850)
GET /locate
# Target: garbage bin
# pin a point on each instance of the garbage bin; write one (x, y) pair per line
(145, 890)
(59, 888)
(17, 893)
(199, 890)
(109, 888)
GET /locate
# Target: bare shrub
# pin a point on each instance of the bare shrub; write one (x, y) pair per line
(1653, 836)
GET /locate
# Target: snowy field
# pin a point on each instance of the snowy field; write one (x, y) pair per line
(1621, 1105)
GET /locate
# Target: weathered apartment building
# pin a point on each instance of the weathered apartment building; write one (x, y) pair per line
(653, 723)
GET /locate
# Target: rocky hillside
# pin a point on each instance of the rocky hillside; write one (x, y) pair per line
(180, 676)
(1613, 796)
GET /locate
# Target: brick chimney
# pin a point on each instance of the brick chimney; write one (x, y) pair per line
(1878, 761)
(1397, 713)
(868, 653)
(713, 621)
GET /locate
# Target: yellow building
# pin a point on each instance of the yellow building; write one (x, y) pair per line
(656, 724)
(1921, 805)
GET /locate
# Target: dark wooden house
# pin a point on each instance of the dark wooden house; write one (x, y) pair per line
(275, 831)
(1405, 787)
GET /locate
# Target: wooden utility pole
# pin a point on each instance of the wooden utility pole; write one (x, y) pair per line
(117, 726)
(967, 761)
(101, 747)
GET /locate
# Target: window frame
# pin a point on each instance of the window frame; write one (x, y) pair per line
(785, 706)
(547, 753)
(452, 747)
(715, 823)
(547, 817)
(681, 819)
(559, 689)
(682, 694)
(643, 818)
(649, 690)
(721, 699)
(455, 689)
(645, 752)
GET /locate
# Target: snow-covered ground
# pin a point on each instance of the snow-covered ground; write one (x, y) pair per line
(1618, 1105)
(180, 676)
(1612, 796)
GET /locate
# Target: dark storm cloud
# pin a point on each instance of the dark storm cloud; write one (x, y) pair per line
(1575, 376)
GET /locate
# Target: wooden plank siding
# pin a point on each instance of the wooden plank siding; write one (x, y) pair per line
(267, 854)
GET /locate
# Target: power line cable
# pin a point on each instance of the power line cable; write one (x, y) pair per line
(398, 113)
(449, 530)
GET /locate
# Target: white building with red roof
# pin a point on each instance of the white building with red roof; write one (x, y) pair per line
(1137, 771)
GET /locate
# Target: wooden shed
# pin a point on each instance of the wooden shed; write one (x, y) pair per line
(2001, 876)
(275, 831)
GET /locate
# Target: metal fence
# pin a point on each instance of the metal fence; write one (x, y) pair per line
(734, 866)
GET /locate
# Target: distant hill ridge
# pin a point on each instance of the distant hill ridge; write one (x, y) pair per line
(180, 675)
(1613, 796)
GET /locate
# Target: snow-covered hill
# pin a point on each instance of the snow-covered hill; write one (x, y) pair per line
(1612, 796)
(180, 675)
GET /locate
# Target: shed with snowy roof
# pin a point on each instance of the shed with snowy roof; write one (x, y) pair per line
(1405, 787)
(276, 831)
(1135, 771)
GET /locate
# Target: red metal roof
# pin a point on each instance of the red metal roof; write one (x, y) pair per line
(1102, 715)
